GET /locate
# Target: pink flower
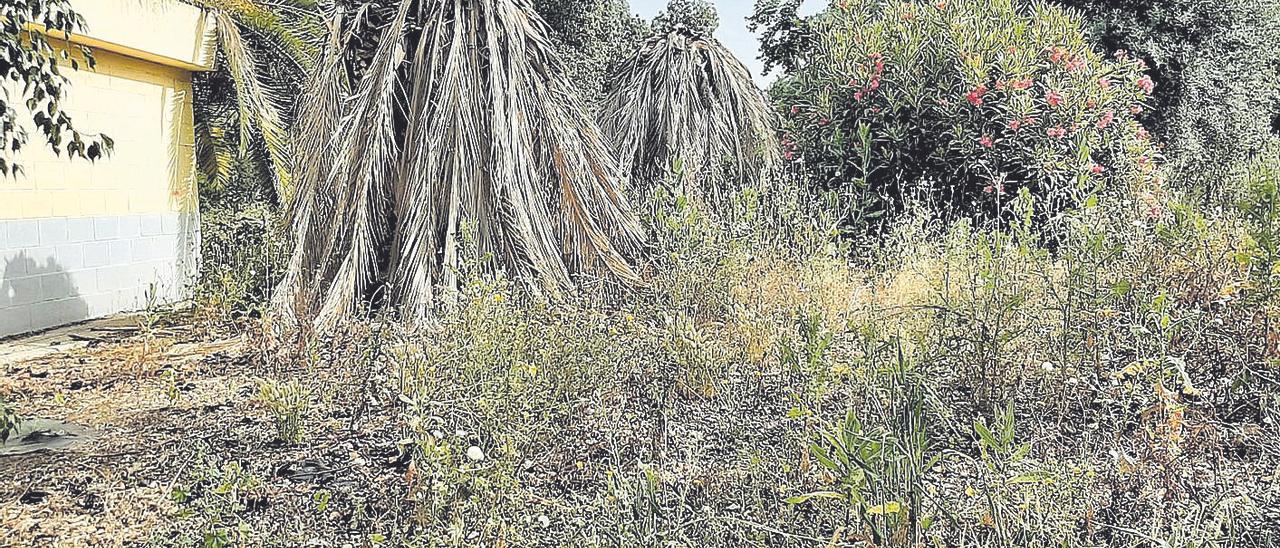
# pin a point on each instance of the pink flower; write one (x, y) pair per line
(975, 97)
(790, 155)
(1030, 121)
(795, 109)
(857, 96)
(1143, 134)
(1056, 132)
(1097, 169)
(1000, 84)
(1107, 117)
(875, 84)
(1015, 124)
(1147, 85)
(1057, 54)
(1053, 98)
(1135, 109)
(824, 122)
(989, 189)
(1091, 103)
(1023, 84)
(1104, 82)
(1076, 63)
(986, 141)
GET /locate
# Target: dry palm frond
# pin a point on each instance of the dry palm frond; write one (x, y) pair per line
(488, 134)
(685, 106)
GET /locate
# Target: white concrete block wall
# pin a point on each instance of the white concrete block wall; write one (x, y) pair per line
(56, 271)
(82, 239)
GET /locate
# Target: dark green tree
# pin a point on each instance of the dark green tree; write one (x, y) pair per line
(593, 37)
(1217, 66)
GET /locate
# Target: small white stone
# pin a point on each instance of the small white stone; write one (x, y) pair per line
(544, 521)
(475, 454)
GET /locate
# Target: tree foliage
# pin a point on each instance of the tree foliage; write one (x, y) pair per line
(245, 107)
(592, 38)
(785, 36)
(31, 53)
(696, 17)
(1216, 61)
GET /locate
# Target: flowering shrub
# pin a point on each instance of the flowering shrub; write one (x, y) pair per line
(963, 104)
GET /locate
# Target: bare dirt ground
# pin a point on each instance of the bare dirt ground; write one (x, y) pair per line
(168, 412)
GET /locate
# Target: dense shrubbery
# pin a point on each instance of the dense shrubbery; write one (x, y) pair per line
(1219, 73)
(963, 104)
(242, 255)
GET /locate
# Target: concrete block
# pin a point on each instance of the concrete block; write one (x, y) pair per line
(121, 252)
(56, 286)
(84, 281)
(130, 227)
(42, 317)
(19, 291)
(96, 254)
(107, 279)
(53, 231)
(4, 235)
(15, 320)
(128, 300)
(142, 249)
(106, 228)
(152, 224)
(80, 229)
(69, 257)
(14, 264)
(24, 233)
(63, 311)
(41, 261)
(101, 304)
(170, 223)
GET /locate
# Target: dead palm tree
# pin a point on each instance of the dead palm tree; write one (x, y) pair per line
(685, 106)
(461, 120)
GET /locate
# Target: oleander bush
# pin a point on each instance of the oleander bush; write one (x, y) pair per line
(963, 105)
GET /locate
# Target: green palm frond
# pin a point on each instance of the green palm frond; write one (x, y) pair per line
(293, 27)
(255, 101)
(685, 103)
(265, 49)
(488, 134)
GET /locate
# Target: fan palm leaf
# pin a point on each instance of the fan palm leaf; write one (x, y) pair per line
(685, 104)
(488, 135)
